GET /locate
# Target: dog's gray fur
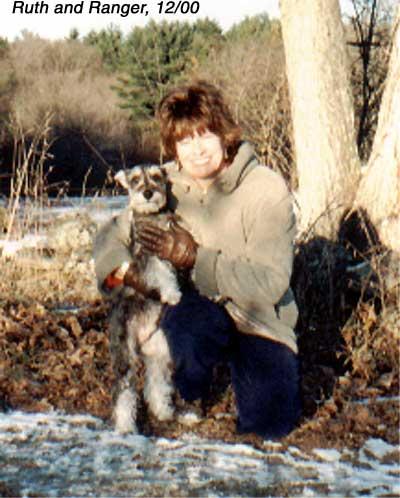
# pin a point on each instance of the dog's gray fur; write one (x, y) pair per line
(134, 324)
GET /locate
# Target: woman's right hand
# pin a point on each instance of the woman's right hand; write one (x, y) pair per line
(175, 245)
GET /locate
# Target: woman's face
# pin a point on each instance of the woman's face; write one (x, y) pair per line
(201, 155)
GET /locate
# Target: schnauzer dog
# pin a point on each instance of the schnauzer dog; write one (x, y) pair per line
(135, 320)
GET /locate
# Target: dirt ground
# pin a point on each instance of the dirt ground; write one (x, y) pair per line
(60, 360)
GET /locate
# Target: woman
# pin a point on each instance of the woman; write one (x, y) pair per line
(236, 240)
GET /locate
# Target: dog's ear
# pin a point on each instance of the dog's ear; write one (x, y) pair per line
(120, 177)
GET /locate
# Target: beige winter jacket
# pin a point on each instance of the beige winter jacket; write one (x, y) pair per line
(245, 226)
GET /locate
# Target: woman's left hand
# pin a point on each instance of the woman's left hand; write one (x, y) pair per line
(175, 245)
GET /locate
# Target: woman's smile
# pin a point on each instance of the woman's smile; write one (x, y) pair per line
(201, 155)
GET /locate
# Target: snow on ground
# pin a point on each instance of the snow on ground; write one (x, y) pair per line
(9, 248)
(53, 454)
(98, 209)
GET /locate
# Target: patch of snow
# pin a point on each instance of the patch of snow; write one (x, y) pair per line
(53, 454)
(379, 399)
(9, 248)
(328, 455)
(98, 209)
(189, 418)
(378, 448)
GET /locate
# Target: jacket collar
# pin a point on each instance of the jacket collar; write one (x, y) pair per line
(228, 181)
(242, 164)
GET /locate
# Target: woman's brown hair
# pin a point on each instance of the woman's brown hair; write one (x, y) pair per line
(195, 108)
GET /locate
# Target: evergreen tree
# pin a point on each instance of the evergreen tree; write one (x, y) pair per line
(73, 34)
(109, 42)
(250, 27)
(156, 56)
(207, 37)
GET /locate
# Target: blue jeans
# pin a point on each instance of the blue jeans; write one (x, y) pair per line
(265, 374)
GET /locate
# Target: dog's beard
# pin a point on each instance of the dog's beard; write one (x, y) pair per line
(143, 206)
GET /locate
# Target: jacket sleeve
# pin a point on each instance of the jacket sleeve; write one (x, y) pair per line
(111, 248)
(262, 274)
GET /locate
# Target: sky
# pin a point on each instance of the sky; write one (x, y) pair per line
(31, 15)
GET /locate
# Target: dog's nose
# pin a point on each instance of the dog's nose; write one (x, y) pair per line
(148, 194)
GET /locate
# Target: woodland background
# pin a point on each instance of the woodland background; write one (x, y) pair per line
(93, 97)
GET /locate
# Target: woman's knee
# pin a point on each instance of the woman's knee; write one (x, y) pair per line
(193, 381)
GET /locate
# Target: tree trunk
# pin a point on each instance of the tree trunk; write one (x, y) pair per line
(379, 192)
(322, 112)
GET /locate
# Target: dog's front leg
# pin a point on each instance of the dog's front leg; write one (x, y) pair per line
(161, 275)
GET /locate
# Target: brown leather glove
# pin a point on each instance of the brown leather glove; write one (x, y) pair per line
(175, 245)
(134, 278)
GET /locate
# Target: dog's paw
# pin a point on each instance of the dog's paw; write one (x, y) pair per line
(172, 297)
(125, 427)
(165, 413)
(124, 413)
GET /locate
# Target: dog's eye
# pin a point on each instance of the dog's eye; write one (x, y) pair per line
(157, 177)
(134, 180)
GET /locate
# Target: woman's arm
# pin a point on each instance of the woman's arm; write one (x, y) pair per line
(111, 250)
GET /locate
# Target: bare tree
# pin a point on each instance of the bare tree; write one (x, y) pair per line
(379, 191)
(322, 112)
(327, 162)
(369, 48)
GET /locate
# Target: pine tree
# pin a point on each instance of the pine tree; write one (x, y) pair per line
(73, 34)
(250, 27)
(157, 56)
(207, 38)
(109, 42)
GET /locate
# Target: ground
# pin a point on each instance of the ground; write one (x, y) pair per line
(59, 360)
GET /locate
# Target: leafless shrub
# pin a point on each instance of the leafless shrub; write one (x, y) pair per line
(372, 334)
(368, 34)
(28, 185)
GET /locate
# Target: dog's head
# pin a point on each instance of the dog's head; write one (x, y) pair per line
(147, 187)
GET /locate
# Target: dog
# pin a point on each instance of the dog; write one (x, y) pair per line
(135, 321)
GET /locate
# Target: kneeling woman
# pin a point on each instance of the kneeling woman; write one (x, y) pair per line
(236, 241)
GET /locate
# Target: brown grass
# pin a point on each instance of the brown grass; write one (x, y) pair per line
(67, 80)
(60, 269)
